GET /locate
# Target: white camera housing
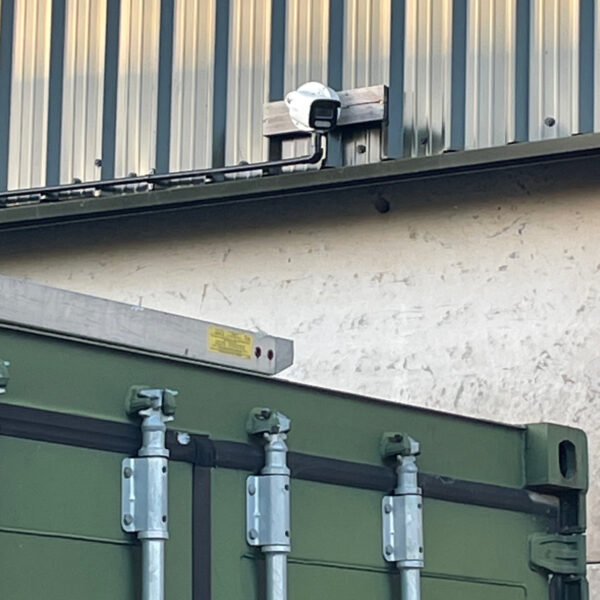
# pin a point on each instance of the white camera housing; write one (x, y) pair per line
(314, 107)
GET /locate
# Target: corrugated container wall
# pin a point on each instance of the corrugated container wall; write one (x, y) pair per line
(95, 89)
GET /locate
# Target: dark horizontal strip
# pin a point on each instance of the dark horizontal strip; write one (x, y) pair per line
(87, 432)
(71, 430)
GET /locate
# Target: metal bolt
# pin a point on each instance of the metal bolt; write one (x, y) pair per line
(550, 121)
(387, 508)
(361, 148)
(183, 438)
(127, 472)
(98, 162)
(128, 519)
(253, 534)
(252, 489)
(389, 550)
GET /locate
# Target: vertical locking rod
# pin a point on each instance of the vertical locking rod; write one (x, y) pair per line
(403, 515)
(145, 485)
(268, 500)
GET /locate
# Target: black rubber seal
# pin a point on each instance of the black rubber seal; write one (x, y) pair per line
(201, 534)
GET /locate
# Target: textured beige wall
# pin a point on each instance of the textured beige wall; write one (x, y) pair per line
(593, 574)
(478, 294)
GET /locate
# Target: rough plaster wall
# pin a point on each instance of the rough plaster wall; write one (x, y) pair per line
(594, 581)
(478, 294)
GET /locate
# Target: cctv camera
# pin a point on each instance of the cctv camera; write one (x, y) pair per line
(314, 107)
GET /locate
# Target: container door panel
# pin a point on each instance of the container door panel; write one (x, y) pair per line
(59, 522)
(471, 552)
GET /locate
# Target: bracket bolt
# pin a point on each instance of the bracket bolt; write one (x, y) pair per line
(127, 472)
(252, 489)
(183, 438)
(387, 508)
(389, 550)
(127, 519)
(253, 534)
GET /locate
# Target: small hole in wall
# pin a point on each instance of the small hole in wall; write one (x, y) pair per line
(567, 459)
(381, 204)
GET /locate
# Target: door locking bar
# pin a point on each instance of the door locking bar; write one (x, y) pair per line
(402, 514)
(268, 500)
(144, 485)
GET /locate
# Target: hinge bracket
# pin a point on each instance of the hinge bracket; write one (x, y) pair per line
(558, 554)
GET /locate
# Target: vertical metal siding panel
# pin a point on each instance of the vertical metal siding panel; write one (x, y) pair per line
(192, 110)
(586, 66)
(458, 84)
(220, 81)
(83, 90)
(248, 80)
(428, 76)
(335, 63)
(164, 100)
(137, 90)
(277, 67)
(597, 65)
(110, 88)
(307, 36)
(522, 69)
(490, 73)
(6, 60)
(554, 108)
(396, 101)
(366, 62)
(55, 92)
(29, 94)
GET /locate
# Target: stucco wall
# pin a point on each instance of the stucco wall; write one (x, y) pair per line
(478, 294)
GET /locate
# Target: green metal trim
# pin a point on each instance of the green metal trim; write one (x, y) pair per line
(556, 458)
(299, 184)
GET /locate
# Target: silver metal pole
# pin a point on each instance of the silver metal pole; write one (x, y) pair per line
(403, 515)
(410, 584)
(145, 486)
(268, 500)
(276, 575)
(153, 573)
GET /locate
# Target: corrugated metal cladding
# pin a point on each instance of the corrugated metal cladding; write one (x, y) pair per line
(102, 88)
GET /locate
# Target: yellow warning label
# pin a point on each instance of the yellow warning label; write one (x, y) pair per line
(230, 342)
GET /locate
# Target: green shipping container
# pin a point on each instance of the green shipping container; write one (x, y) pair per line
(503, 507)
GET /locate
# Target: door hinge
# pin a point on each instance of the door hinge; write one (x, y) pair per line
(558, 554)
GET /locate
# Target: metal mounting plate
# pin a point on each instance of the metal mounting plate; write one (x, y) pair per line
(144, 497)
(267, 511)
(402, 530)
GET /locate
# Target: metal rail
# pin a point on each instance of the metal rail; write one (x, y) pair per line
(51, 193)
